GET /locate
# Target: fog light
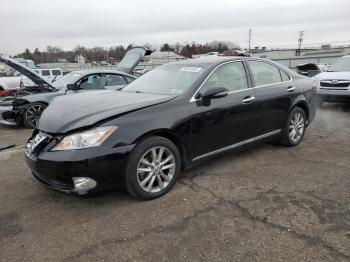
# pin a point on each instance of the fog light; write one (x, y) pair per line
(83, 184)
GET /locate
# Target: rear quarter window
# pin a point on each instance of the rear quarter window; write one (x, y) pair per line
(284, 76)
(129, 79)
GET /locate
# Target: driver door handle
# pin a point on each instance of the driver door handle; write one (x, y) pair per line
(248, 99)
(290, 88)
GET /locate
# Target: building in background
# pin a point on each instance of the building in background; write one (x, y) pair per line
(79, 59)
(326, 54)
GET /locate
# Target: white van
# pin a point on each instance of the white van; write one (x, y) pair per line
(18, 81)
(49, 74)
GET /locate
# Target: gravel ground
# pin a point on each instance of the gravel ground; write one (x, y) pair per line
(269, 203)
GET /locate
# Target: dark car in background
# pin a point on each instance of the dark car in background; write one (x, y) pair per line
(27, 104)
(165, 121)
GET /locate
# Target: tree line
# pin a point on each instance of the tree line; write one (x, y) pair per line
(54, 54)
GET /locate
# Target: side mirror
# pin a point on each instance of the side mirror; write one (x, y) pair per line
(215, 92)
(73, 86)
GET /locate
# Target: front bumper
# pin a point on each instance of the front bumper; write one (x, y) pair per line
(334, 95)
(7, 116)
(103, 165)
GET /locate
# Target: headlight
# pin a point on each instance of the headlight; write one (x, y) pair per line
(86, 139)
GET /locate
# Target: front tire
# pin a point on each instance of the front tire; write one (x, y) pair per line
(153, 168)
(32, 114)
(294, 131)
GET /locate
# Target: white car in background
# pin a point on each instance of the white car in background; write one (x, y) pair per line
(19, 80)
(334, 84)
(14, 82)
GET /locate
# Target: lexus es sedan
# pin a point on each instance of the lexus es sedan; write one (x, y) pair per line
(165, 121)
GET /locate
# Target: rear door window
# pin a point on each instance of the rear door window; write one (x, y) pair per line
(115, 80)
(264, 73)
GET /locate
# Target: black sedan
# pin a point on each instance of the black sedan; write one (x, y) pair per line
(174, 116)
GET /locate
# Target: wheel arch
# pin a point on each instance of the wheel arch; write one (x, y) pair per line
(168, 134)
(303, 105)
(43, 102)
(39, 101)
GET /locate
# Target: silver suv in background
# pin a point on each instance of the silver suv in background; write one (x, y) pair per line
(334, 85)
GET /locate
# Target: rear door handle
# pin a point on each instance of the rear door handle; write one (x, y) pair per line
(248, 99)
(290, 88)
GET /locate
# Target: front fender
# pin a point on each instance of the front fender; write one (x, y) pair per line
(172, 122)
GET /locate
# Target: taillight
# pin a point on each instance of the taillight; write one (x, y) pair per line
(21, 83)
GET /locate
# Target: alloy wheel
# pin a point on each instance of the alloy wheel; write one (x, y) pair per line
(296, 127)
(156, 169)
(33, 114)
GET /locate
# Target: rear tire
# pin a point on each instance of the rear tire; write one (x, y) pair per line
(294, 130)
(153, 168)
(32, 114)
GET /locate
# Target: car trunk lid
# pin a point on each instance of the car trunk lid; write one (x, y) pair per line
(132, 58)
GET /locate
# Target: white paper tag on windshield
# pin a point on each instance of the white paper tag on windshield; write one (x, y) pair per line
(191, 69)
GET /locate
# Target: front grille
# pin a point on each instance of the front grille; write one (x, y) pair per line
(335, 84)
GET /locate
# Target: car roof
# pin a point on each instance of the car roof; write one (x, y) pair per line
(214, 60)
(102, 71)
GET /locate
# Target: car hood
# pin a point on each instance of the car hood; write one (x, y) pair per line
(75, 111)
(32, 75)
(333, 75)
(132, 58)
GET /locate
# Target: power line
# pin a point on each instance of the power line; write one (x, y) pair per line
(300, 40)
(249, 39)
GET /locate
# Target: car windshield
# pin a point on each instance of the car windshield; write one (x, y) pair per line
(167, 79)
(63, 81)
(341, 65)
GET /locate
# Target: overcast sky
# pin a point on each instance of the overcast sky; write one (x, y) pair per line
(68, 23)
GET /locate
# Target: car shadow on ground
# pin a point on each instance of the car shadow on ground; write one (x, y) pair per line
(340, 107)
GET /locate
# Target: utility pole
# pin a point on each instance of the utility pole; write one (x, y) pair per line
(249, 39)
(300, 40)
